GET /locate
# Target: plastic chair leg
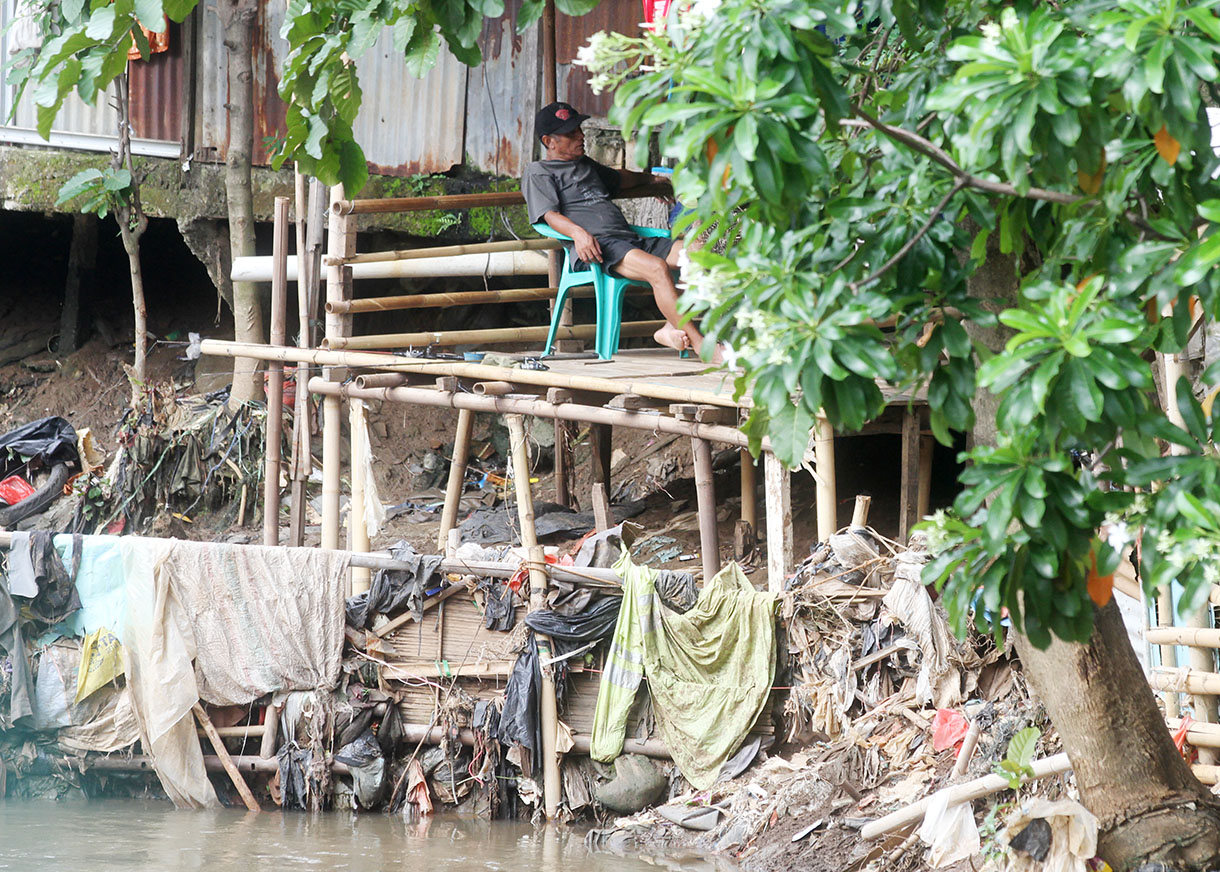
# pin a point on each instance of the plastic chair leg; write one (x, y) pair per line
(556, 313)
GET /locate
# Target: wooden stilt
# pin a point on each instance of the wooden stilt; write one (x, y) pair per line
(341, 241)
(538, 582)
(908, 485)
(81, 257)
(600, 436)
(705, 493)
(778, 493)
(356, 522)
(923, 504)
(275, 377)
(1169, 654)
(563, 463)
(457, 476)
(824, 460)
(222, 752)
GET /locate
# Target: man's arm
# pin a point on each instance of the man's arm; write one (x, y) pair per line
(586, 246)
(634, 179)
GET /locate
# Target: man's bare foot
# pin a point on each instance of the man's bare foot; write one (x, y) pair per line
(672, 337)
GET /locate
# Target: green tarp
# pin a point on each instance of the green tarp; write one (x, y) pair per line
(709, 671)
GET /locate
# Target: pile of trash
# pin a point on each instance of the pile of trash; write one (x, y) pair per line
(881, 700)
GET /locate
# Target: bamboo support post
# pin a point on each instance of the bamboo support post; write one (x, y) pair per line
(341, 241)
(275, 378)
(380, 380)
(778, 492)
(705, 494)
(824, 464)
(923, 502)
(966, 792)
(538, 582)
(486, 336)
(543, 244)
(1200, 659)
(1169, 654)
(563, 463)
(1198, 734)
(271, 732)
(222, 752)
(400, 363)
(749, 489)
(859, 512)
(457, 476)
(357, 523)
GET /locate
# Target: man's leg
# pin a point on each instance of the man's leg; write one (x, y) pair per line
(642, 266)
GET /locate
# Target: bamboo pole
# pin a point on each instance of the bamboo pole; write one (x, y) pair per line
(541, 244)
(495, 388)
(965, 792)
(271, 732)
(380, 380)
(541, 409)
(827, 491)
(356, 521)
(705, 495)
(1197, 637)
(454, 298)
(341, 240)
(542, 378)
(457, 476)
(275, 378)
(859, 514)
(502, 263)
(1200, 659)
(749, 489)
(538, 582)
(1186, 680)
(222, 752)
(1198, 734)
(488, 336)
(466, 201)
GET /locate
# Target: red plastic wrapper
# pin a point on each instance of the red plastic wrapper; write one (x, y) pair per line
(14, 489)
(949, 728)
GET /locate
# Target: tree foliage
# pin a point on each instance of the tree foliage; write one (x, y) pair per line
(872, 155)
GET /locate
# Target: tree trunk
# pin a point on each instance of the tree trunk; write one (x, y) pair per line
(132, 224)
(238, 18)
(1148, 805)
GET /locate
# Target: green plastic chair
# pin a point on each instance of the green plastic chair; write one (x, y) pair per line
(608, 293)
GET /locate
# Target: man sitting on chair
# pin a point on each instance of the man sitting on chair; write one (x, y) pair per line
(572, 193)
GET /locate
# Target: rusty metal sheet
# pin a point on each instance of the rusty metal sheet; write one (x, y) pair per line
(155, 87)
(617, 16)
(408, 125)
(212, 82)
(503, 94)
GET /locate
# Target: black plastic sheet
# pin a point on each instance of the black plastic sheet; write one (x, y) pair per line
(394, 590)
(49, 440)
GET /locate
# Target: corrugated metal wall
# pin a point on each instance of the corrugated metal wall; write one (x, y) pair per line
(617, 16)
(503, 96)
(482, 117)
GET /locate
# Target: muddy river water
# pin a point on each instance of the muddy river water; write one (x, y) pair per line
(126, 836)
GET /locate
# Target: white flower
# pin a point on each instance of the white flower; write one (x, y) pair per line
(1119, 536)
(705, 8)
(597, 53)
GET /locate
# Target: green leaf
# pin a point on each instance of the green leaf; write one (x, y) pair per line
(151, 14)
(422, 51)
(1022, 746)
(101, 23)
(178, 10)
(790, 431)
(83, 181)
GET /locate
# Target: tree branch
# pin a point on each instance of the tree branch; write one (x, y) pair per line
(910, 243)
(938, 155)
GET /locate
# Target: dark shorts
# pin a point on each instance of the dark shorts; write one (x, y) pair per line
(615, 248)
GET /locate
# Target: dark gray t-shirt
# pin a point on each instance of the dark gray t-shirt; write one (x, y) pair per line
(578, 189)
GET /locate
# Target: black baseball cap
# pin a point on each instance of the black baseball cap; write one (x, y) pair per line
(557, 118)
